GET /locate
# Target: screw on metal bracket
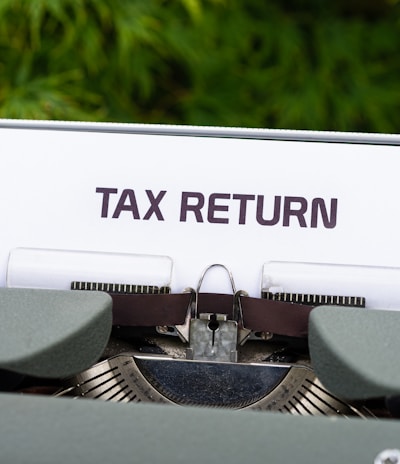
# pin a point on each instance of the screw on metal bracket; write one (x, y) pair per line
(388, 456)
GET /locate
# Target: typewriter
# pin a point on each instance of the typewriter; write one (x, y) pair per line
(158, 316)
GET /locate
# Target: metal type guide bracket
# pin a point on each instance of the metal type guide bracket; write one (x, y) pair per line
(212, 336)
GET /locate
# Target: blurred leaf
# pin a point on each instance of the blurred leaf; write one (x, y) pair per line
(298, 64)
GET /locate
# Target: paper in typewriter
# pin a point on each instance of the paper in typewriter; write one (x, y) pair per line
(242, 202)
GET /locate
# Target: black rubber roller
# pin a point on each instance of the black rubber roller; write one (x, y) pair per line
(52, 333)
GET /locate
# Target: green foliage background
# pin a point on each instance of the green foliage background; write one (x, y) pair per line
(297, 64)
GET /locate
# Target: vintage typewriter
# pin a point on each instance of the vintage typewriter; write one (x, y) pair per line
(102, 356)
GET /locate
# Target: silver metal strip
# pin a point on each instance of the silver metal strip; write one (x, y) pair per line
(206, 131)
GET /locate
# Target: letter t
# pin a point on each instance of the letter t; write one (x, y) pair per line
(106, 198)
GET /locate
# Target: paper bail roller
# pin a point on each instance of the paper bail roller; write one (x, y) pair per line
(56, 269)
(373, 286)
